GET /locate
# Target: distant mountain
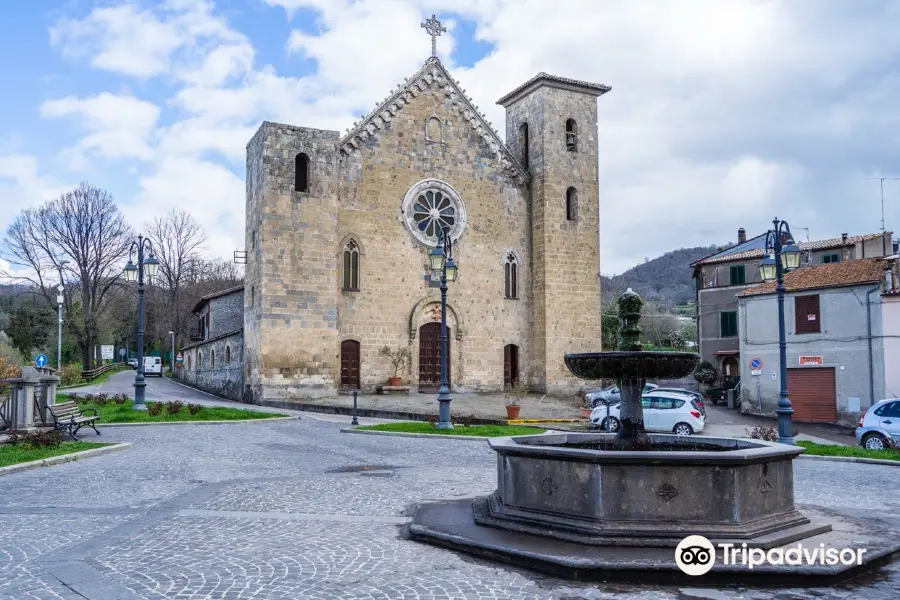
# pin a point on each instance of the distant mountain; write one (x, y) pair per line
(666, 280)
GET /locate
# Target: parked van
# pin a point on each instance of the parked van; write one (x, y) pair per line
(153, 365)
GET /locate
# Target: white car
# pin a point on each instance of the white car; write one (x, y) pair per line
(153, 366)
(668, 412)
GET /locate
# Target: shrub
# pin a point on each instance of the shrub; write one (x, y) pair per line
(759, 432)
(37, 439)
(431, 419)
(69, 375)
(120, 398)
(101, 399)
(706, 373)
(174, 407)
(154, 409)
(194, 408)
(464, 420)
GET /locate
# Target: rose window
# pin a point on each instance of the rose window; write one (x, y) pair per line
(432, 212)
(430, 206)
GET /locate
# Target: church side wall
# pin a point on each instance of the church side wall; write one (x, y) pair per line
(223, 377)
(395, 297)
(294, 305)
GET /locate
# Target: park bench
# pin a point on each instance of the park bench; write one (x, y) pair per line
(67, 416)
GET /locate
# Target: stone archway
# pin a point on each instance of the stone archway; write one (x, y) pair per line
(426, 352)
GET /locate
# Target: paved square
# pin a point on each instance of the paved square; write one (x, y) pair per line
(281, 511)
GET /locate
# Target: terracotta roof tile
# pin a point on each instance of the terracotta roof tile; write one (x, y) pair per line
(850, 272)
(719, 257)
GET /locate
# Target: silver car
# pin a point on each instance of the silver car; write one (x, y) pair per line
(610, 395)
(879, 427)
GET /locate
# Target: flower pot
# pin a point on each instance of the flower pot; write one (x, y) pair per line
(512, 412)
(394, 380)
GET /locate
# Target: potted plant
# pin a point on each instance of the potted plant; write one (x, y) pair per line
(514, 396)
(399, 358)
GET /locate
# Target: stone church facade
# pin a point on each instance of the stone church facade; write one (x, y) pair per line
(339, 229)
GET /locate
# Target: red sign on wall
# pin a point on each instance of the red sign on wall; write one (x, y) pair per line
(811, 361)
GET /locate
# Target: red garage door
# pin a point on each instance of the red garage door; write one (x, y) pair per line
(813, 394)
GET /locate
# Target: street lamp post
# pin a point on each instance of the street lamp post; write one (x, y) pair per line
(136, 273)
(59, 306)
(442, 265)
(172, 358)
(782, 255)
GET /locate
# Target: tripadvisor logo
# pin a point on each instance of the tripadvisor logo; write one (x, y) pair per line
(696, 555)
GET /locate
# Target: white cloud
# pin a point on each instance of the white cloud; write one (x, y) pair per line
(119, 126)
(177, 37)
(722, 114)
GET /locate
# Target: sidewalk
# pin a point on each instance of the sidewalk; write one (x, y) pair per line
(487, 408)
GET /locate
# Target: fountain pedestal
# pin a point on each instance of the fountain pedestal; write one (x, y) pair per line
(590, 505)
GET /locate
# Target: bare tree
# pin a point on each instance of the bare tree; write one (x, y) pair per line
(177, 240)
(81, 233)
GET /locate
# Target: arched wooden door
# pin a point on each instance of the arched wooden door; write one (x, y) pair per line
(510, 365)
(350, 364)
(430, 356)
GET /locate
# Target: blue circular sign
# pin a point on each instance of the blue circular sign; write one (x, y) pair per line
(755, 364)
(40, 360)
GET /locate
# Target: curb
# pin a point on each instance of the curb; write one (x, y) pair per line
(63, 458)
(852, 459)
(285, 418)
(539, 421)
(364, 412)
(468, 438)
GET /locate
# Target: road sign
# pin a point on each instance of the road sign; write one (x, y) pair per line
(756, 364)
(40, 360)
(179, 359)
(121, 352)
(106, 351)
(756, 372)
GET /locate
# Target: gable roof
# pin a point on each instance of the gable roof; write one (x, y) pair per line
(756, 248)
(208, 297)
(841, 274)
(432, 75)
(542, 78)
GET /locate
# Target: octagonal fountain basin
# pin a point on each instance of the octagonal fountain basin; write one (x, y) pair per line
(631, 364)
(595, 489)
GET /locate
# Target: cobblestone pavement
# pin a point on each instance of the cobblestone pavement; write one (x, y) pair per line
(295, 510)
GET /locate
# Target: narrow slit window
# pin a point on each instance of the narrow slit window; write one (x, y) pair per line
(571, 136)
(351, 267)
(301, 173)
(571, 204)
(523, 140)
(511, 276)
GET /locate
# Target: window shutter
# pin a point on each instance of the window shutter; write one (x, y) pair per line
(806, 314)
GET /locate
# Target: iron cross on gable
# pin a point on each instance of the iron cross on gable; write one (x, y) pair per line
(434, 29)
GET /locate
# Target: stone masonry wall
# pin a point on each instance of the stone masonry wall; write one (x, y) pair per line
(226, 314)
(566, 253)
(216, 366)
(293, 301)
(395, 298)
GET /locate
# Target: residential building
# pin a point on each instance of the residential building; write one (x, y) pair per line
(213, 361)
(720, 277)
(839, 321)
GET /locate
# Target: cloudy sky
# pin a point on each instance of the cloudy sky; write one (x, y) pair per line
(722, 114)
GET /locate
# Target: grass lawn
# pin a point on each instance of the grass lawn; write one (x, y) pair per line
(12, 454)
(479, 430)
(854, 451)
(125, 413)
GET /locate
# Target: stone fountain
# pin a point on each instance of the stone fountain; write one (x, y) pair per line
(597, 505)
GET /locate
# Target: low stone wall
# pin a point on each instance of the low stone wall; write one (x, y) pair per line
(216, 366)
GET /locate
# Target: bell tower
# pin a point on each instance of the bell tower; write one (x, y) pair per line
(551, 128)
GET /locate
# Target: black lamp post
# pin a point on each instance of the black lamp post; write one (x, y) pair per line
(782, 255)
(136, 273)
(442, 265)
